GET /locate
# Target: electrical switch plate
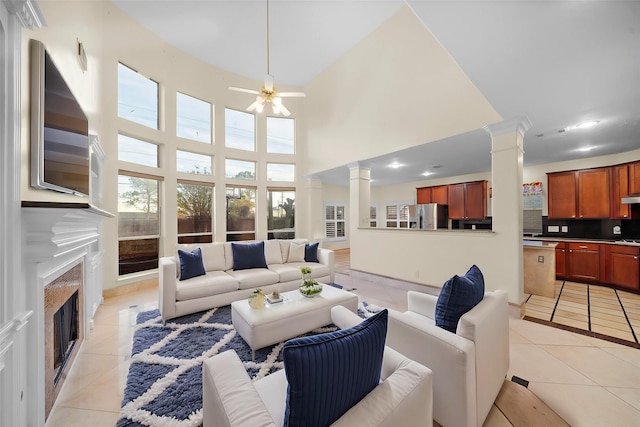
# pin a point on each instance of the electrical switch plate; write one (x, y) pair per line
(565, 228)
(540, 258)
(553, 229)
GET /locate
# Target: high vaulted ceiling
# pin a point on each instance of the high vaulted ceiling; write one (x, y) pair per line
(558, 63)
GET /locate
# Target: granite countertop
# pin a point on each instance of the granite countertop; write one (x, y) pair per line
(539, 244)
(584, 240)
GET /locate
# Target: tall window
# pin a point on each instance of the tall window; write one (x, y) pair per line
(136, 151)
(334, 221)
(195, 202)
(281, 172)
(397, 215)
(188, 162)
(137, 97)
(138, 223)
(280, 135)
(281, 213)
(239, 130)
(193, 118)
(241, 213)
(239, 169)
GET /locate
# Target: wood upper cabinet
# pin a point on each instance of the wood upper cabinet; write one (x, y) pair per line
(561, 190)
(634, 178)
(580, 194)
(435, 194)
(468, 200)
(594, 200)
(619, 189)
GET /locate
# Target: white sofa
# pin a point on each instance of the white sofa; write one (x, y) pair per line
(231, 399)
(469, 367)
(221, 285)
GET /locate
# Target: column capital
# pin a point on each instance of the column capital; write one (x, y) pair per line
(27, 11)
(359, 165)
(520, 124)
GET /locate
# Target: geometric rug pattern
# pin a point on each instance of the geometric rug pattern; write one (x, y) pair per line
(164, 384)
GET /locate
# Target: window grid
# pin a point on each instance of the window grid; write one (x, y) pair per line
(334, 221)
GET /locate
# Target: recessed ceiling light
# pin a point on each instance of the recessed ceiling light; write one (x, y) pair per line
(582, 125)
(395, 165)
(586, 149)
(427, 173)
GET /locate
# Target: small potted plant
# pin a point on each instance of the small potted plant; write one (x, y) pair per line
(309, 287)
(257, 299)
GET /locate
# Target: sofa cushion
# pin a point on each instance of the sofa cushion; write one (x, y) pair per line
(458, 295)
(317, 269)
(212, 283)
(286, 272)
(253, 277)
(311, 252)
(296, 252)
(212, 254)
(329, 373)
(190, 264)
(248, 255)
(272, 252)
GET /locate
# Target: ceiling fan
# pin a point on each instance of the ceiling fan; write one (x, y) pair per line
(268, 92)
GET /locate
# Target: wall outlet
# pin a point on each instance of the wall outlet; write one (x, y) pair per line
(617, 230)
(565, 228)
(541, 258)
(553, 229)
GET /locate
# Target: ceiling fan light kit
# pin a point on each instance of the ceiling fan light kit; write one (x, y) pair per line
(268, 93)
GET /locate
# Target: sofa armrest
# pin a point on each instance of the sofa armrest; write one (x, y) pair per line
(404, 398)
(421, 303)
(452, 359)
(344, 318)
(167, 276)
(327, 257)
(229, 399)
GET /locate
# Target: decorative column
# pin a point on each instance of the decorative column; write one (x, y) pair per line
(311, 200)
(507, 152)
(359, 196)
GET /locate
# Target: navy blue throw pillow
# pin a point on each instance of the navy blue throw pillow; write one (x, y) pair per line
(459, 295)
(191, 264)
(311, 252)
(248, 255)
(329, 373)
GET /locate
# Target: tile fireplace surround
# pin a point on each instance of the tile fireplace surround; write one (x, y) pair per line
(57, 242)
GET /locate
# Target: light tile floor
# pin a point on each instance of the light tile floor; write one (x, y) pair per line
(587, 381)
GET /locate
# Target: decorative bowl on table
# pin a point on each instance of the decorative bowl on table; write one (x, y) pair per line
(310, 288)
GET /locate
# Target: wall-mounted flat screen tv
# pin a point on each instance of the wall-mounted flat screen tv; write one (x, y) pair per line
(59, 130)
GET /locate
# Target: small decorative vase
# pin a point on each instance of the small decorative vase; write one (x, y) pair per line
(310, 288)
(257, 299)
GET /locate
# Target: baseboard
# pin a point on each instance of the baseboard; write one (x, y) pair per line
(131, 287)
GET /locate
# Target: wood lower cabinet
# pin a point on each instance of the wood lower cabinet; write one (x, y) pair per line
(583, 262)
(623, 266)
(561, 260)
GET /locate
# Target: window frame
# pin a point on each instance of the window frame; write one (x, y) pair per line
(210, 233)
(335, 221)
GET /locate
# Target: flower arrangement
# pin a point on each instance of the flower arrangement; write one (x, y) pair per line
(309, 287)
(257, 299)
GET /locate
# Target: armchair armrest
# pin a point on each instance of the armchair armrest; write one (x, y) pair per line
(424, 304)
(228, 396)
(167, 276)
(344, 318)
(327, 257)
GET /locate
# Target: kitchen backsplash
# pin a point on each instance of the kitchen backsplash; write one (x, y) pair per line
(591, 228)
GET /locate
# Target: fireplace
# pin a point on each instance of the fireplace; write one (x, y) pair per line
(64, 328)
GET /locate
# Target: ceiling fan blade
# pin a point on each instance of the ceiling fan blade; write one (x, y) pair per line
(253, 106)
(268, 82)
(283, 110)
(292, 94)
(241, 89)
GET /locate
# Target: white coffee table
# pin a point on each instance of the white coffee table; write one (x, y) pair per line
(294, 316)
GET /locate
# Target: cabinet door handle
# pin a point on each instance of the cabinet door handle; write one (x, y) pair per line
(635, 257)
(583, 247)
(570, 250)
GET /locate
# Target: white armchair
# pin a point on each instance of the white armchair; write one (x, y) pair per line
(231, 399)
(469, 366)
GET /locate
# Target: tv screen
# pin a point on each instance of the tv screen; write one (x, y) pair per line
(59, 130)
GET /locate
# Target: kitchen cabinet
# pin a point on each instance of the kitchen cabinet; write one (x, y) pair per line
(561, 191)
(634, 178)
(619, 189)
(468, 200)
(583, 194)
(623, 266)
(561, 260)
(583, 262)
(434, 194)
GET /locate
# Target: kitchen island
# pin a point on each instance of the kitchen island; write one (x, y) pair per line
(539, 263)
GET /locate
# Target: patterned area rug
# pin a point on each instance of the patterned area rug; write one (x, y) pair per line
(164, 385)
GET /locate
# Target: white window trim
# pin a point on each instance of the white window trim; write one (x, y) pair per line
(399, 205)
(325, 221)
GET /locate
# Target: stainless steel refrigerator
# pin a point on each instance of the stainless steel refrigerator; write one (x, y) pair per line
(429, 216)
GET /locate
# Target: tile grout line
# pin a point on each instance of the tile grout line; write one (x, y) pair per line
(589, 307)
(553, 313)
(625, 315)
